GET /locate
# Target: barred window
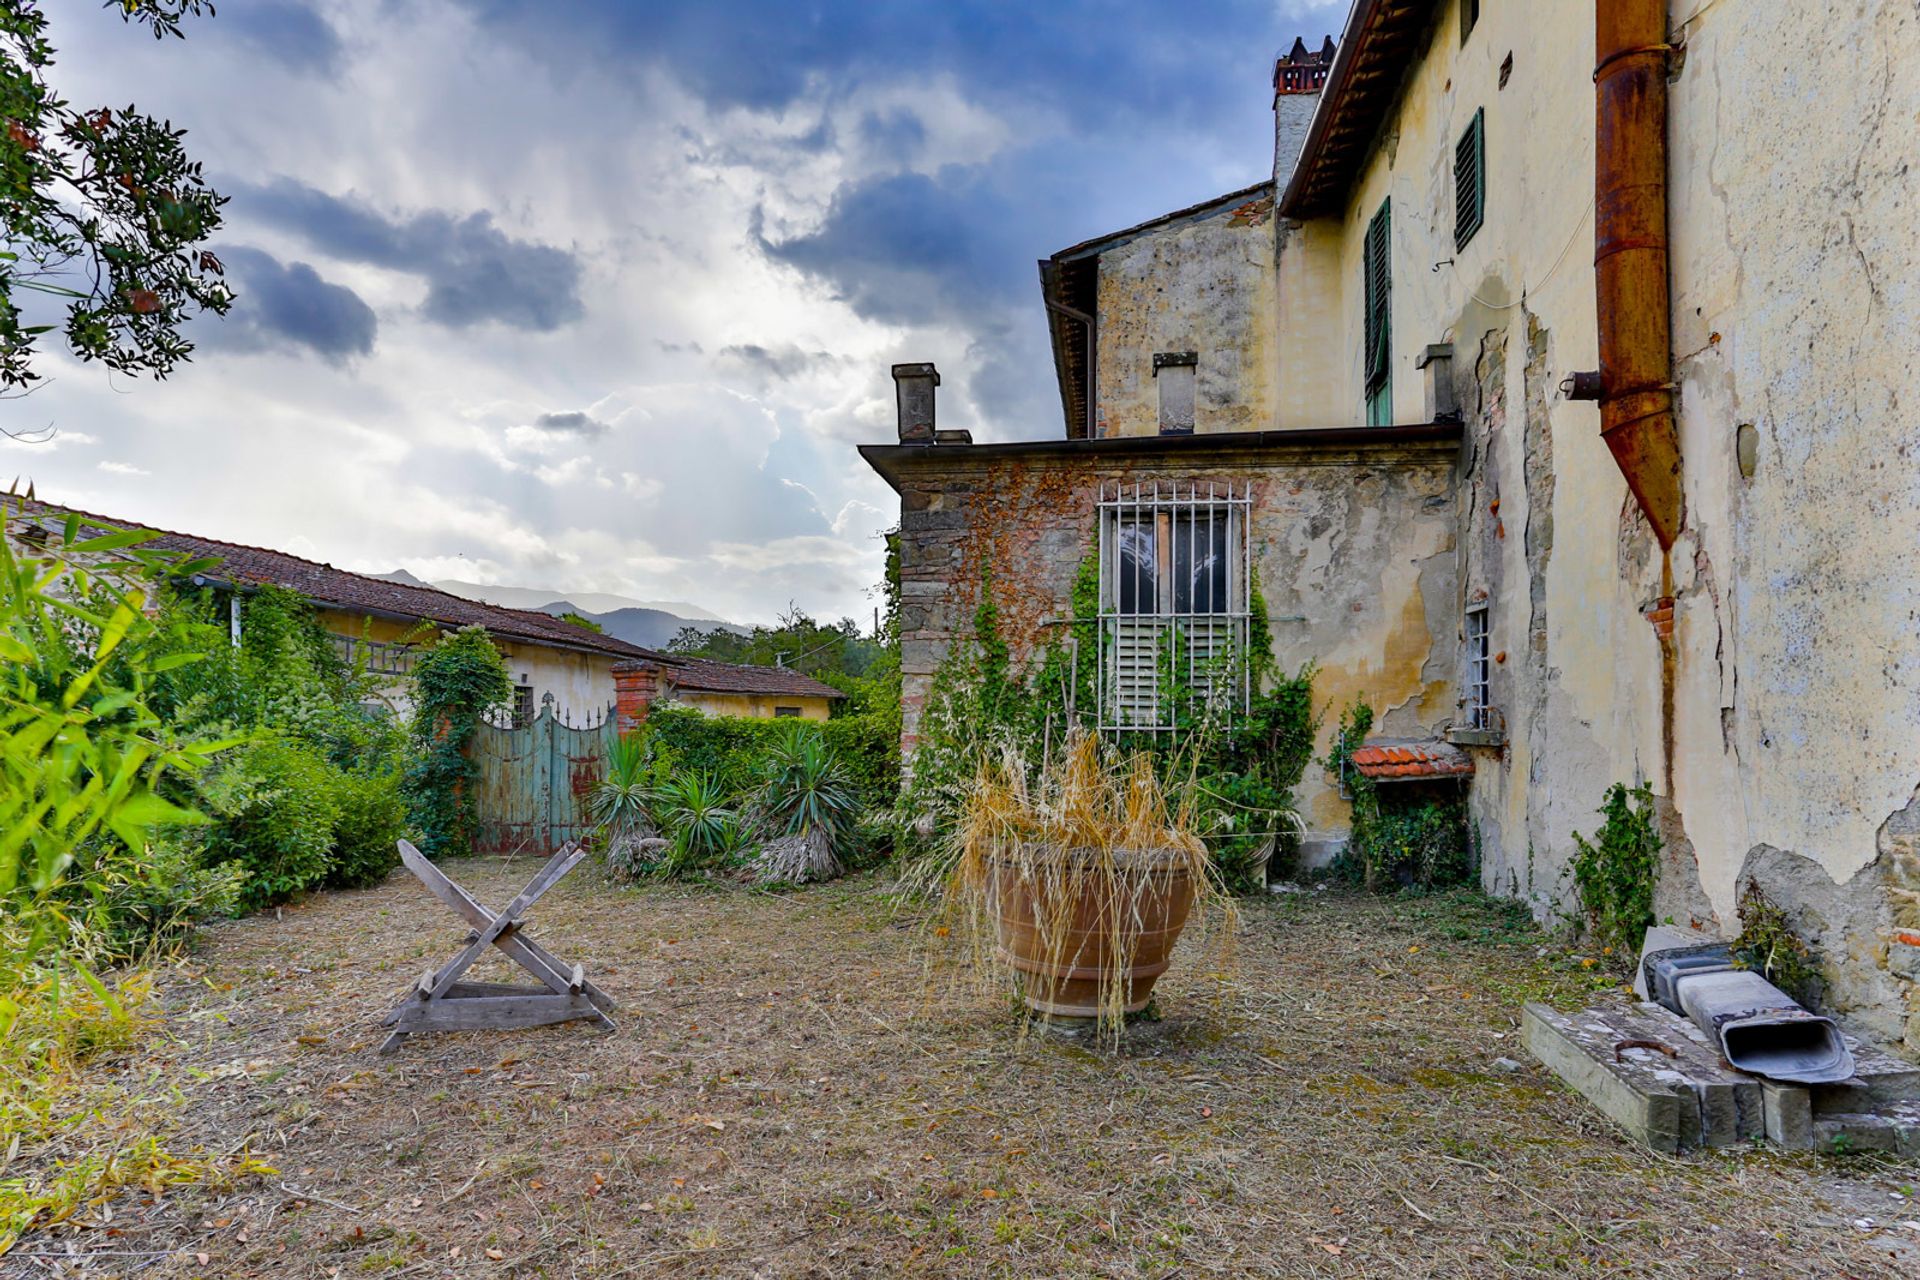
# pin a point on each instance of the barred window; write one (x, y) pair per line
(1479, 700)
(1173, 602)
(522, 705)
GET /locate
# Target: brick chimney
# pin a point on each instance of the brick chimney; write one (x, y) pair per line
(1298, 76)
(636, 684)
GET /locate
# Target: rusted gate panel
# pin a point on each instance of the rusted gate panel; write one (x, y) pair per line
(535, 779)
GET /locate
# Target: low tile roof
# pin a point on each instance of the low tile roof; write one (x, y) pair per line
(1397, 761)
(703, 675)
(244, 566)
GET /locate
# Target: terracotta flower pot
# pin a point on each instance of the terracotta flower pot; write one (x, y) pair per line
(1070, 927)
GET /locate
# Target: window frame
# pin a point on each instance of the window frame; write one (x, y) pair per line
(1477, 688)
(1130, 695)
(1470, 180)
(786, 713)
(522, 712)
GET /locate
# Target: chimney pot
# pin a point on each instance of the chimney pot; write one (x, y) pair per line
(913, 386)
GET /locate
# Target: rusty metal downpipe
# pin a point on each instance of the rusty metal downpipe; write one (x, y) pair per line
(1635, 381)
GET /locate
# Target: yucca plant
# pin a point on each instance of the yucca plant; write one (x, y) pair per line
(622, 805)
(806, 806)
(702, 830)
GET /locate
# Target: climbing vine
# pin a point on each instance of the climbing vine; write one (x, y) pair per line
(455, 683)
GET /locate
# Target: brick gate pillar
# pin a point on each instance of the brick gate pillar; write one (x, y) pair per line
(635, 685)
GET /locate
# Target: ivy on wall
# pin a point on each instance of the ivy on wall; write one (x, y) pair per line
(455, 683)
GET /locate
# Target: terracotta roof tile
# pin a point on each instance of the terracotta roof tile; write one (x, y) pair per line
(339, 588)
(1398, 760)
(702, 675)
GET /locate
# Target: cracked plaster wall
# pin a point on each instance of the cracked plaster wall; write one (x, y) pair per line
(1796, 277)
(1203, 284)
(1354, 552)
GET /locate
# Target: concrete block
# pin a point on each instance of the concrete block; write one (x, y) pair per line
(1878, 1079)
(1788, 1115)
(1652, 1111)
(1855, 1132)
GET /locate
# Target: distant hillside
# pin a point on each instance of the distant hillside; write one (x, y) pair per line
(648, 628)
(647, 623)
(586, 602)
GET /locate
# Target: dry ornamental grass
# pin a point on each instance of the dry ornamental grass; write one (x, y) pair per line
(784, 1099)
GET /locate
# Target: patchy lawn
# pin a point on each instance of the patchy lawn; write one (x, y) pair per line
(783, 1098)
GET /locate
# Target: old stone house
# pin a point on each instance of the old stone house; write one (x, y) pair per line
(1553, 390)
(574, 672)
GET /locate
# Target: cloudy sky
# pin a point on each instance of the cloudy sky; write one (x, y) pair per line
(596, 295)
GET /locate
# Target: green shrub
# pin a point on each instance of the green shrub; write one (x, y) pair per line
(734, 749)
(274, 805)
(1410, 835)
(1614, 872)
(173, 892)
(89, 766)
(371, 820)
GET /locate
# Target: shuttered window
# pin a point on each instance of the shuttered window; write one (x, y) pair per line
(1173, 603)
(1378, 330)
(1470, 180)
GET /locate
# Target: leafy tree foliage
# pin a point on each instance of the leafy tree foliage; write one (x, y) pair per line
(102, 209)
(827, 652)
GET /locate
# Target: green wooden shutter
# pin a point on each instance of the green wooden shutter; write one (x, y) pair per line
(1378, 334)
(1470, 180)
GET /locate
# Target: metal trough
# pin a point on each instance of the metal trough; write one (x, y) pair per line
(1759, 1027)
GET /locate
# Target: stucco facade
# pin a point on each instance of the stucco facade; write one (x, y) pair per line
(1762, 674)
(1352, 538)
(1786, 746)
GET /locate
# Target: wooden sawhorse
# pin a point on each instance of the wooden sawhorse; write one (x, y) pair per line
(442, 1002)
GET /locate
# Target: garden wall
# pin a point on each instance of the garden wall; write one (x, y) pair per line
(1352, 537)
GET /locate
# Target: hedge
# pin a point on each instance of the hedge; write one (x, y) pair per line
(731, 748)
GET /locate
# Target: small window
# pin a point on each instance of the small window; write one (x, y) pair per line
(785, 713)
(1479, 700)
(1469, 15)
(1378, 329)
(1173, 372)
(1470, 180)
(522, 705)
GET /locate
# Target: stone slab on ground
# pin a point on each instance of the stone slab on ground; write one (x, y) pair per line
(1664, 1087)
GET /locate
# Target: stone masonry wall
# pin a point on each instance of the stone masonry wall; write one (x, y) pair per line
(1353, 550)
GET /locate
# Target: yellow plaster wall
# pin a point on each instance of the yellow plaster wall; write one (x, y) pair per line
(1796, 721)
(752, 705)
(581, 683)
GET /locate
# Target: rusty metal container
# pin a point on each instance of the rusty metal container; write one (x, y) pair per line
(1072, 921)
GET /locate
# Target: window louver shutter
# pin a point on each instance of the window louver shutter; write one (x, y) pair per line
(1470, 180)
(1379, 289)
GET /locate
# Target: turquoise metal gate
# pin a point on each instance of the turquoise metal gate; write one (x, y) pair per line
(535, 779)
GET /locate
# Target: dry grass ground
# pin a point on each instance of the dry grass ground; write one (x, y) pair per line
(784, 1099)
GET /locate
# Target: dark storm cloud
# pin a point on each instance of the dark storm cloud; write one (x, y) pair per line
(908, 248)
(291, 34)
(571, 423)
(474, 271)
(777, 362)
(1095, 58)
(288, 307)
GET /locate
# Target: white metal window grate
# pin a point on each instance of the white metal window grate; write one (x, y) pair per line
(1174, 570)
(377, 657)
(1479, 706)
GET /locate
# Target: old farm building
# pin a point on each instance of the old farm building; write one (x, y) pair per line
(1546, 416)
